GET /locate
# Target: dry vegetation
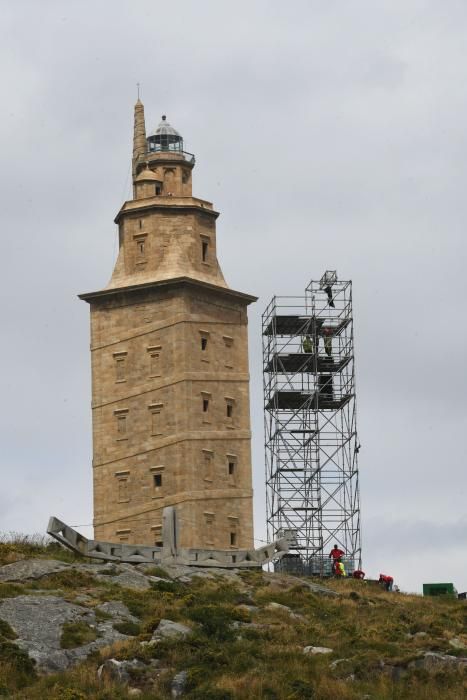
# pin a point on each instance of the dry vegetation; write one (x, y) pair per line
(371, 631)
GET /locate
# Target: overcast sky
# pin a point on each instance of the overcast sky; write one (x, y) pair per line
(330, 135)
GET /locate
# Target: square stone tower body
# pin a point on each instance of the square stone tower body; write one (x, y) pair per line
(170, 383)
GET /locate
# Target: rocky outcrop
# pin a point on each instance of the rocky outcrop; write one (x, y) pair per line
(30, 569)
(38, 622)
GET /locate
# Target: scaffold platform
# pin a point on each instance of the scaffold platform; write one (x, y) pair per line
(305, 362)
(291, 400)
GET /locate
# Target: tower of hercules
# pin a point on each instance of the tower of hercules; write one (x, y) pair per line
(170, 384)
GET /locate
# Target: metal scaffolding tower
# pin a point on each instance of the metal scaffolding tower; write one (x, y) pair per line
(312, 491)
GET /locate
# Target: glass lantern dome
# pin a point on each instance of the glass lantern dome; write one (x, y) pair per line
(165, 138)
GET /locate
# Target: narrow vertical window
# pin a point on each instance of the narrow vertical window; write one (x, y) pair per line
(123, 492)
(232, 469)
(209, 519)
(140, 244)
(120, 359)
(229, 410)
(233, 527)
(121, 417)
(228, 351)
(205, 406)
(120, 366)
(204, 343)
(157, 481)
(208, 465)
(154, 360)
(155, 411)
(204, 249)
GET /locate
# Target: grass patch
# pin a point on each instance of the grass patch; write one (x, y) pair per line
(21, 668)
(214, 620)
(6, 631)
(131, 629)
(156, 571)
(15, 546)
(111, 571)
(11, 590)
(76, 634)
(70, 579)
(101, 615)
(166, 586)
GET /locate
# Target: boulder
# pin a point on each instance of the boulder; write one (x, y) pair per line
(31, 569)
(284, 608)
(178, 685)
(129, 579)
(457, 643)
(278, 606)
(432, 661)
(119, 671)
(117, 610)
(169, 629)
(317, 650)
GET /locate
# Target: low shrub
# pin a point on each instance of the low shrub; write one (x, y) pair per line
(6, 632)
(215, 620)
(10, 590)
(131, 629)
(101, 615)
(21, 667)
(165, 586)
(75, 634)
(68, 579)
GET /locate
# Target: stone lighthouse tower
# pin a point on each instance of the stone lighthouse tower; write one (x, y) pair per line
(170, 384)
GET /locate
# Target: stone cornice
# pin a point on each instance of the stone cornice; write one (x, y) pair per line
(174, 204)
(201, 377)
(203, 435)
(167, 284)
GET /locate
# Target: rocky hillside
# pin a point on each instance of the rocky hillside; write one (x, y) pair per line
(71, 629)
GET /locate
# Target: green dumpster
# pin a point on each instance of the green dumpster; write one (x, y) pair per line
(439, 589)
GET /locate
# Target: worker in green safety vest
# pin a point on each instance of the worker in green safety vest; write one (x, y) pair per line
(307, 344)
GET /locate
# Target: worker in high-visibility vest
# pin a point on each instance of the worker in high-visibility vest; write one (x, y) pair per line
(327, 333)
(339, 568)
(307, 344)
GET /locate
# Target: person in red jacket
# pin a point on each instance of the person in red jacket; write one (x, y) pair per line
(358, 573)
(386, 581)
(335, 554)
